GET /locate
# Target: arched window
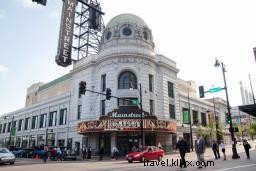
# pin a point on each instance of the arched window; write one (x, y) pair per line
(127, 80)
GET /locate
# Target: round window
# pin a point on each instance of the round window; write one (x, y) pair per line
(127, 31)
(145, 35)
(108, 35)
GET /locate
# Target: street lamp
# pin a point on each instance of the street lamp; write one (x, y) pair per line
(141, 117)
(231, 129)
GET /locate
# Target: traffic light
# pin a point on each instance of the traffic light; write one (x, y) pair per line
(228, 118)
(108, 93)
(201, 91)
(42, 2)
(82, 87)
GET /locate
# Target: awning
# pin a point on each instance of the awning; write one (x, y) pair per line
(249, 109)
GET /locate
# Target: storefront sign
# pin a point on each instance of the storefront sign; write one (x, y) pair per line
(126, 125)
(63, 57)
(126, 115)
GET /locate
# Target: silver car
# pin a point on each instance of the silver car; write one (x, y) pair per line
(6, 156)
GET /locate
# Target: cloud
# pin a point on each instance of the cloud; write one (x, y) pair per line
(3, 68)
(29, 4)
(55, 14)
(2, 12)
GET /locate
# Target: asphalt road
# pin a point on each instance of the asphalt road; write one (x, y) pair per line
(122, 165)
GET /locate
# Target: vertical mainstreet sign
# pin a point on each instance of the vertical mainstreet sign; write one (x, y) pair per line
(63, 57)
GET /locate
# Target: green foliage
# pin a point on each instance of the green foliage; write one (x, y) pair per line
(252, 130)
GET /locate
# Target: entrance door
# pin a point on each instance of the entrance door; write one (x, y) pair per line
(105, 140)
(125, 143)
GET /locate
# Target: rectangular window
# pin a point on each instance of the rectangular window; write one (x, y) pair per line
(103, 106)
(1, 128)
(203, 118)
(79, 111)
(9, 127)
(14, 124)
(151, 105)
(172, 111)
(20, 125)
(170, 90)
(195, 117)
(34, 122)
(63, 116)
(27, 121)
(42, 123)
(151, 82)
(52, 119)
(4, 127)
(103, 82)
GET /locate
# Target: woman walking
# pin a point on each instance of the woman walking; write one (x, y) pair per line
(222, 146)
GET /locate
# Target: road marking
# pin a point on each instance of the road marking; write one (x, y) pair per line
(128, 168)
(236, 167)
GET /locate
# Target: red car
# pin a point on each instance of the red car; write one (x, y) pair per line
(146, 154)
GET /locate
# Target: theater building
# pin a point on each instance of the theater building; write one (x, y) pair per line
(127, 60)
(55, 113)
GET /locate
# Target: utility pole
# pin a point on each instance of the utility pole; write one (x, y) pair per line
(141, 118)
(190, 124)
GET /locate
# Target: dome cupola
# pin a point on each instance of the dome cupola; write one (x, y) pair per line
(126, 31)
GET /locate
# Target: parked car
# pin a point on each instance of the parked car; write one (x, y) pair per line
(18, 152)
(6, 156)
(146, 154)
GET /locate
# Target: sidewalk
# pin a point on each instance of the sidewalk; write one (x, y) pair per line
(209, 153)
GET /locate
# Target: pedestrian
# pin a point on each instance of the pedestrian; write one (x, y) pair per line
(222, 146)
(200, 149)
(114, 153)
(53, 153)
(247, 147)
(46, 149)
(89, 153)
(101, 152)
(59, 153)
(215, 149)
(84, 152)
(134, 148)
(183, 147)
(159, 145)
(218, 149)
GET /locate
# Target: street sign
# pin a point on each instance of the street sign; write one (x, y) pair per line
(135, 101)
(185, 117)
(215, 89)
(63, 57)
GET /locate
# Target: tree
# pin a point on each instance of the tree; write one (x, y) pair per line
(252, 130)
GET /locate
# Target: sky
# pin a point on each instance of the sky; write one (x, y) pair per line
(191, 33)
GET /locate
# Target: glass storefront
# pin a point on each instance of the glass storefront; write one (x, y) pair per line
(126, 141)
(32, 141)
(24, 143)
(105, 141)
(61, 143)
(18, 142)
(51, 139)
(40, 139)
